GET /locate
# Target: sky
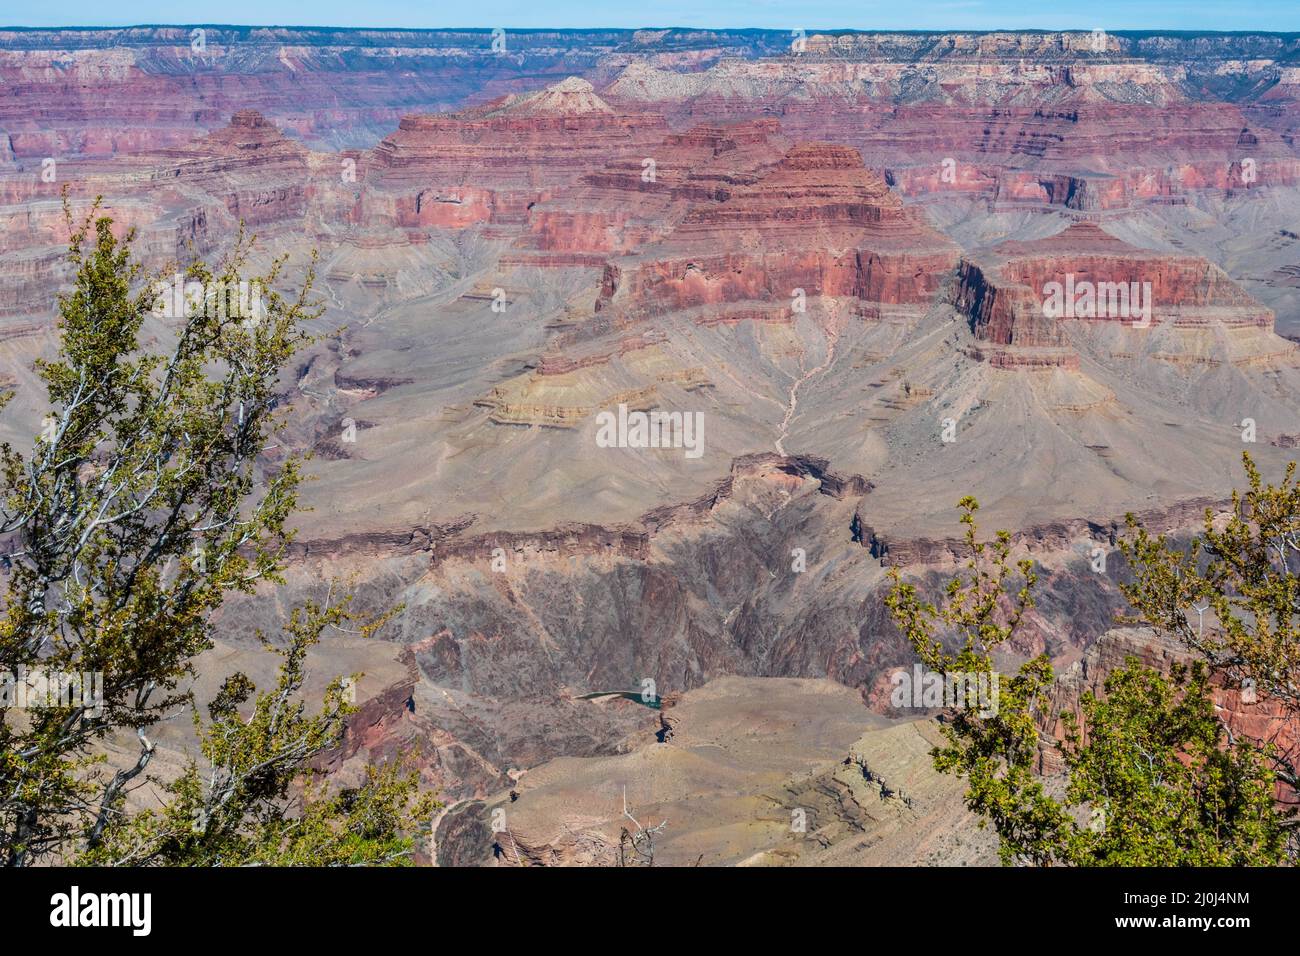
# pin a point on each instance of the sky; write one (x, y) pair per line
(1282, 15)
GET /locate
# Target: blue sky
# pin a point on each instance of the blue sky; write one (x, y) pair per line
(774, 14)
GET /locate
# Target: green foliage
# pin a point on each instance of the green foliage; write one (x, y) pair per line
(146, 500)
(234, 809)
(1156, 775)
(995, 753)
(1147, 763)
(1240, 580)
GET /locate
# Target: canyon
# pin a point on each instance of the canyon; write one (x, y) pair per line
(837, 249)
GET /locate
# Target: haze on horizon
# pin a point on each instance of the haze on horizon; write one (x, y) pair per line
(1214, 15)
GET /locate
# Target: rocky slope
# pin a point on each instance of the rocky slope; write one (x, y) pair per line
(1020, 296)
(770, 772)
(817, 221)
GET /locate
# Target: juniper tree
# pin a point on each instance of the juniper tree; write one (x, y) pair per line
(146, 501)
(1245, 572)
(1151, 775)
(232, 806)
(1150, 761)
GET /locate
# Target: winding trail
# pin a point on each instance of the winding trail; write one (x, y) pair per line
(832, 337)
